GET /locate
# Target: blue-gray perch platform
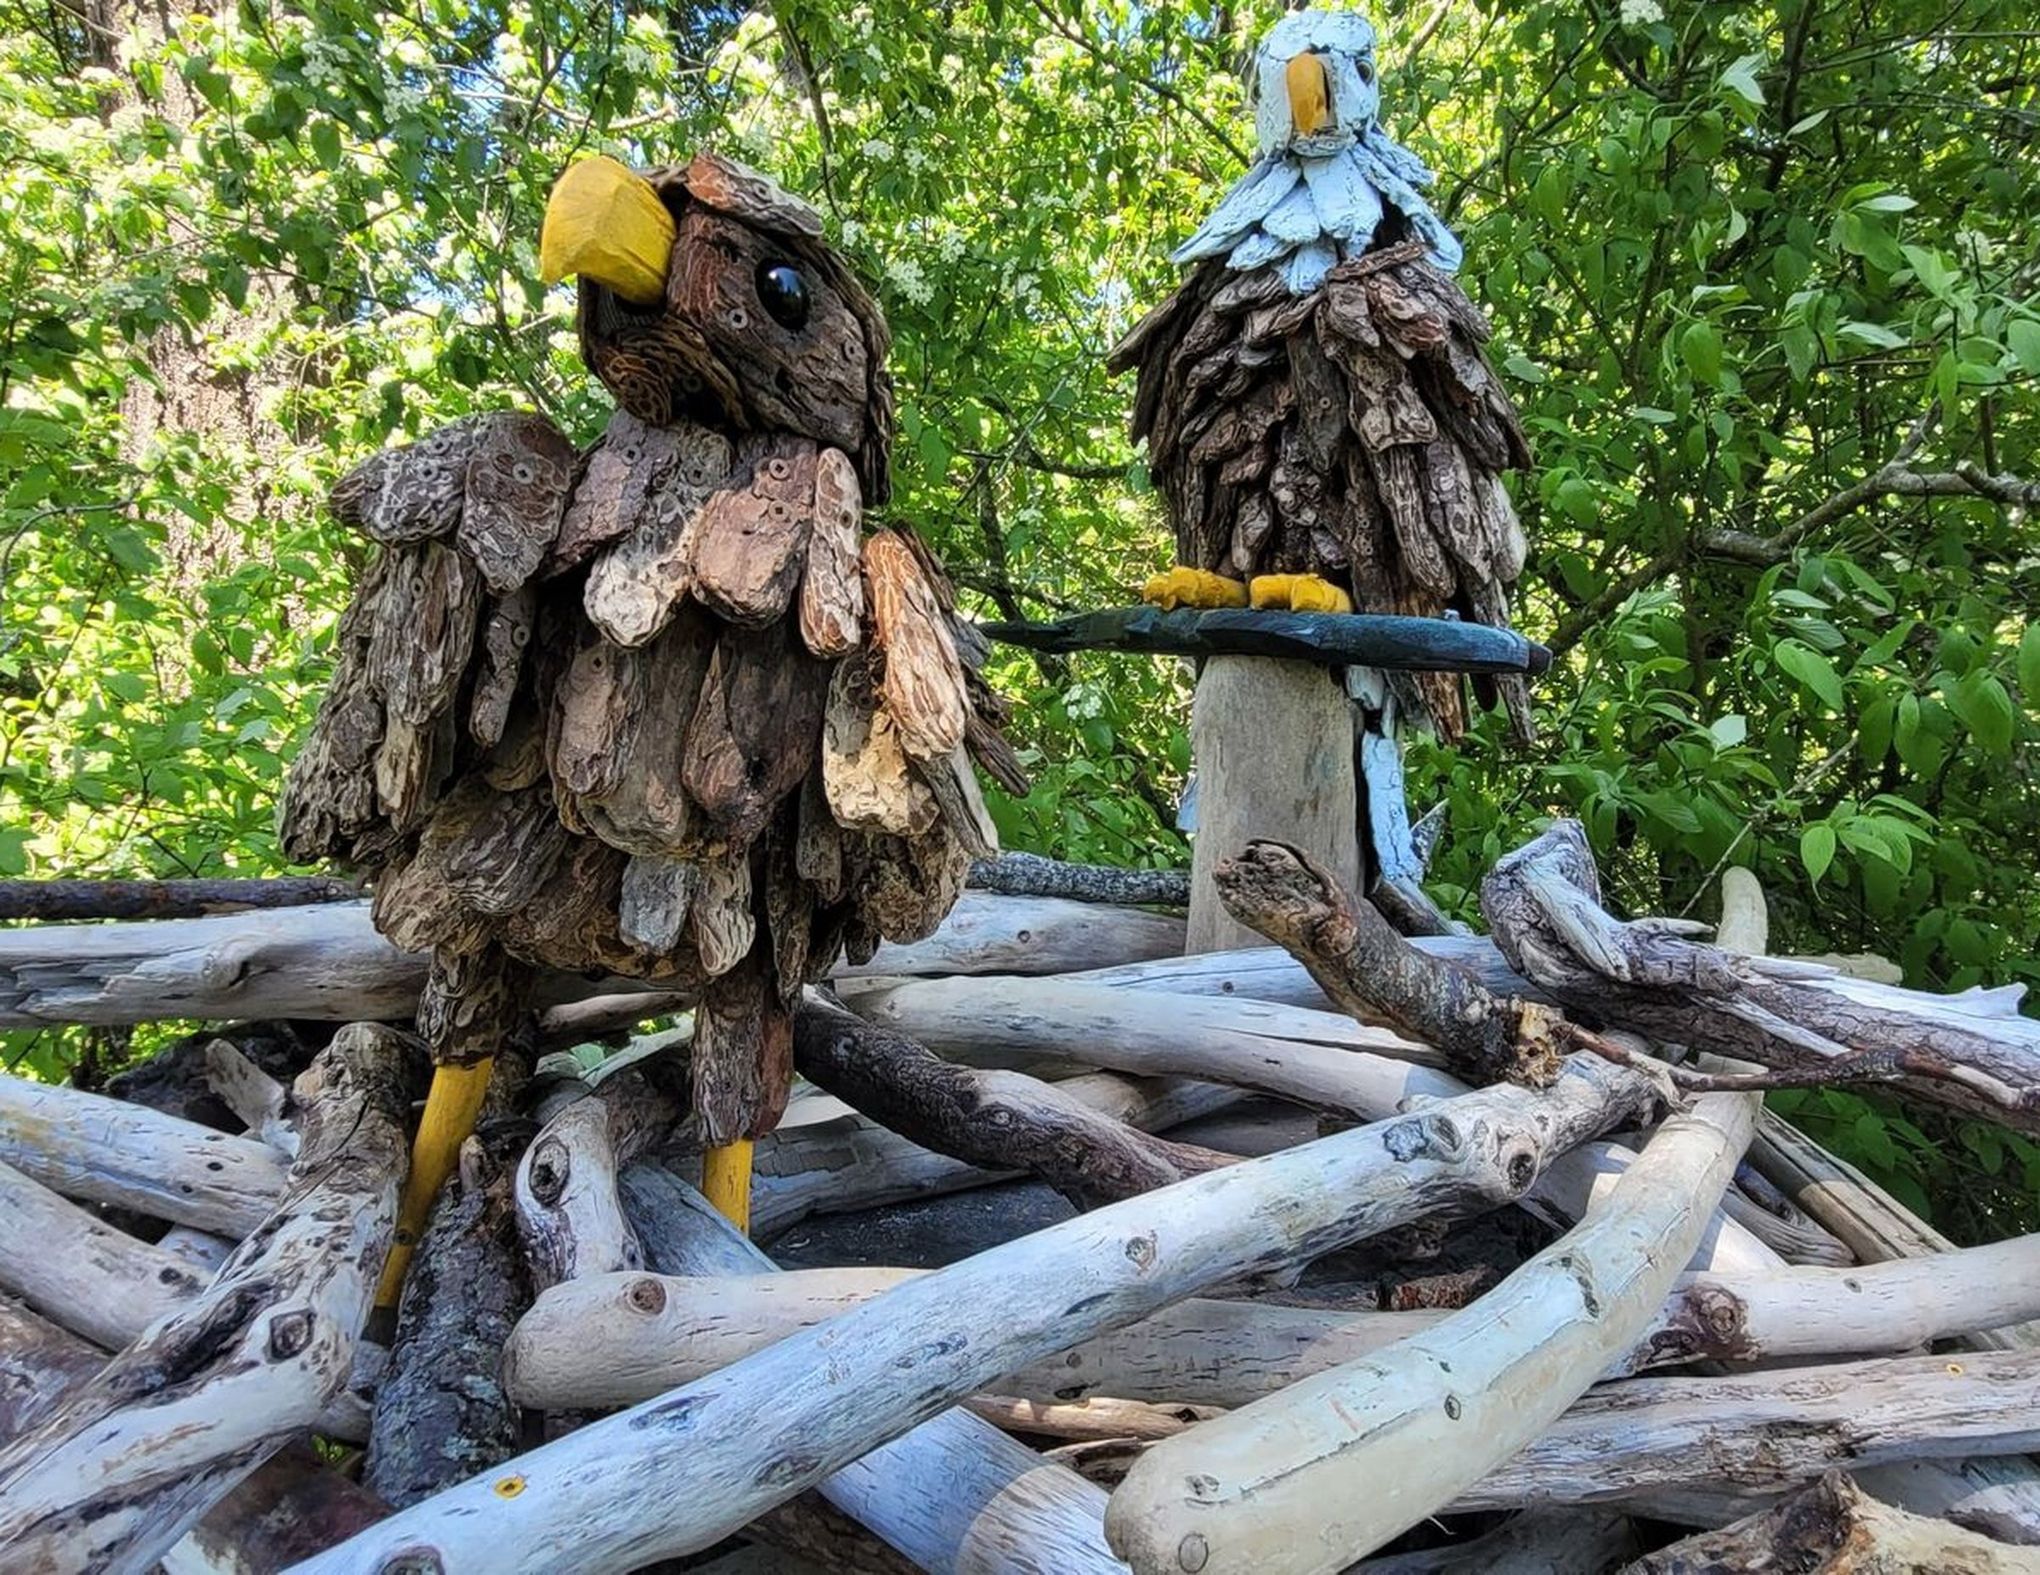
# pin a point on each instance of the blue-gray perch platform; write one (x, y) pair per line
(1442, 645)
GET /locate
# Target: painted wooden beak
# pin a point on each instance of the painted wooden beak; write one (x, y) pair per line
(605, 223)
(1310, 94)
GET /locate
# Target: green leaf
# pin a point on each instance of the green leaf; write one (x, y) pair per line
(1817, 849)
(1985, 708)
(2022, 338)
(1812, 669)
(1700, 345)
(325, 139)
(2029, 666)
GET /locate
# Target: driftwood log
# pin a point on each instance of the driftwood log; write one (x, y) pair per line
(127, 1463)
(39, 1363)
(952, 1493)
(616, 1339)
(847, 1162)
(1005, 1121)
(441, 1413)
(48, 900)
(1832, 1527)
(104, 1150)
(724, 1449)
(1324, 1473)
(326, 962)
(1570, 1540)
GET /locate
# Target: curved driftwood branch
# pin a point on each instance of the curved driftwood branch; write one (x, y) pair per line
(1805, 1025)
(1834, 1526)
(109, 1151)
(568, 1209)
(1002, 1120)
(755, 1434)
(328, 963)
(259, 1101)
(130, 1461)
(1031, 875)
(953, 1493)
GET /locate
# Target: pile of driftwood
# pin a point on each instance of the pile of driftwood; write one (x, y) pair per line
(1453, 1258)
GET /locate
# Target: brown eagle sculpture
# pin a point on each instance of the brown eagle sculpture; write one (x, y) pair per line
(661, 709)
(1321, 422)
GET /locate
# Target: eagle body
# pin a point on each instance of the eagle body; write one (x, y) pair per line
(1315, 397)
(662, 709)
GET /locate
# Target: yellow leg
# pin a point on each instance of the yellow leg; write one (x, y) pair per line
(450, 1111)
(1299, 593)
(1182, 587)
(726, 1181)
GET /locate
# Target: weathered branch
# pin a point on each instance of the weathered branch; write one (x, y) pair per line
(1973, 1054)
(47, 900)
(1001, 1120)
(129, 1462)
(440, 1410)
(759, 1432)
(1030, 875)
(1366, 968)
(39, 1363)
(1834, 1526)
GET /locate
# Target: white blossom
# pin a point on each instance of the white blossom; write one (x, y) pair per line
(908, 281)
(878, 150)
(1641, 13)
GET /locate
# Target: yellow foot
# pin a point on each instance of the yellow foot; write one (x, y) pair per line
(726, 1181)
(451, 1108)
(1299, 593)
(1193, 588)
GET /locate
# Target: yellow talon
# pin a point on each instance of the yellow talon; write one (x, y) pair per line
(451, 1108)
(1182, 587)
(1299, 593)
(726, 1181)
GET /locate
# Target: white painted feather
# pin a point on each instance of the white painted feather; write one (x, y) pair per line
(1256, 251)
(1294, 219)
(1306, 267)
(1425, 225)
(1266, 184)
(1348, 206)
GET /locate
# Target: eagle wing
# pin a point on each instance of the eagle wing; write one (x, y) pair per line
(1356, 432)
(662, 710)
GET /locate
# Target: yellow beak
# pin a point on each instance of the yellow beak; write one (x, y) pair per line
(604, 223)
(1310, 94)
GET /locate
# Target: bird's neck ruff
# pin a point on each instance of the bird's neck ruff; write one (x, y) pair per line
(1318, 202)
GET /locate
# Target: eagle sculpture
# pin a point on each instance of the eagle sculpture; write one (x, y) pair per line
(1321, 422)
(660, 709)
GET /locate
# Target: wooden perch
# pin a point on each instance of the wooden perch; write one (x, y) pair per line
(953, 1493)
(327, 962)
(1807, 1026)
(1324, 1473)
(1832, 1527)
(130, 1461)
(568, 1210)
(616, 1339)
(1001, 1120)
(440, 1410)
(109, 1151)
(726, 1448)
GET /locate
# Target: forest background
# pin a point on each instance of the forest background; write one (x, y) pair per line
(1763, 279)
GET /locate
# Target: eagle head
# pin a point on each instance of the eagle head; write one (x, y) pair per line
(1313, 82)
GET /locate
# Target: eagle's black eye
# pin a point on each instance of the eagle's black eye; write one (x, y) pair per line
(783, 293)
(1366, 70)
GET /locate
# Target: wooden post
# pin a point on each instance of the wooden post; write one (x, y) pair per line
(1273, 743)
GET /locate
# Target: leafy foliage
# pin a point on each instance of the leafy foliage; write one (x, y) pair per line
(1756, 271)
